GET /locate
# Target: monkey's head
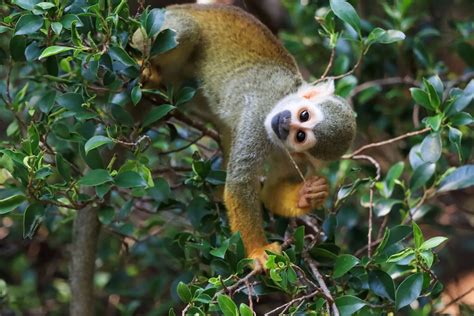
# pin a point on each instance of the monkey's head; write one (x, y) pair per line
(313, 120)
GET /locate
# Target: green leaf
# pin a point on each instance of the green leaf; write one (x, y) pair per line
(33, 216)
(4, 29)
(57, 27)
(382, 284)
(431, 148)
(299, 239)
(129, 179)
(54, 50)
(428, 257)
(460, 178)
(409, 290)
(154, 21)
(393, 174)
(245, 310)
(461, 118)
(69, 19)
(463, 101)
(136, 94)
(106, 215)
(74, 102)
(433, 242)
(398, 233)
(119, 54)
(103, 189)
(437, 84)
(185, 95)
(28, 5)
(344, 10)
(96, 141)
(383, 243)
(221, 251)
(17, 47)
(374, 36)
(383, 207)
(184, 292)
(46, 102)
(417, 235)
(95, 177)
(10, 203)
(434, 122)
(391, 36)
(343, 264)
(401, 255)
(455, 137)
(63, 166)
(45, 5)
(157, 113)
(3, 289)
(348, 304)
(165, 41)
(28, 24)
(227, 306)
(421, 98)
(421, 175)
(432, 94)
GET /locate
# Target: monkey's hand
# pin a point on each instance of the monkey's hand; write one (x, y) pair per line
(260, 256)
(313, 192)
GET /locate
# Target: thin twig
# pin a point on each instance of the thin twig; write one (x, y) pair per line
(372, 160)
(360, 251)
(286, 305)
(329, 66)
(350, 72)
(382, 227)
(383, 82)
(249, 294)
(180, 116)
(234, 286)
(385, 142)
(181, 148)
(322, 284)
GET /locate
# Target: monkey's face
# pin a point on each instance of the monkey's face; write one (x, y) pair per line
(291, 123)
(314, 121)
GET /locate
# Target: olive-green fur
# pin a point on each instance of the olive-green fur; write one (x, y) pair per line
(336, 132)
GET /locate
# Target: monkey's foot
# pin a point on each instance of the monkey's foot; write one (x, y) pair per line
(260, 256)
(313, 192)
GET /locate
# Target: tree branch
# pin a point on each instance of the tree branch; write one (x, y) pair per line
(86, 229)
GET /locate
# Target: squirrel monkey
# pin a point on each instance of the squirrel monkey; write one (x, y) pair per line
(251, 90)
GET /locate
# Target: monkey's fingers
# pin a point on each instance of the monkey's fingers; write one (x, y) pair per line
(316, 189)
(316, 180)
(316, 196)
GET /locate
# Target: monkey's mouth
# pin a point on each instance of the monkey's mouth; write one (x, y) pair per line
(281, 124)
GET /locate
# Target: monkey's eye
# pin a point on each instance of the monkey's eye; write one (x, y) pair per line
(304, 116)
(300, 136)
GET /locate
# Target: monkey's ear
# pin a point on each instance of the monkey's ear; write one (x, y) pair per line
(323, 89)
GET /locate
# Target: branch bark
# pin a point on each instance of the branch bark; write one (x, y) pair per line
(86, 229)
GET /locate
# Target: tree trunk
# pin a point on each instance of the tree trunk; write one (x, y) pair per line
(86, 229)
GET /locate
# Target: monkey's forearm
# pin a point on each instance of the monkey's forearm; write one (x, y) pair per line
(288, 196)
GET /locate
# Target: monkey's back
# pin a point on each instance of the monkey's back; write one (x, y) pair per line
(230, 40)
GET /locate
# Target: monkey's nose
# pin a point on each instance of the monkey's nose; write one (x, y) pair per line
(281, 124)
